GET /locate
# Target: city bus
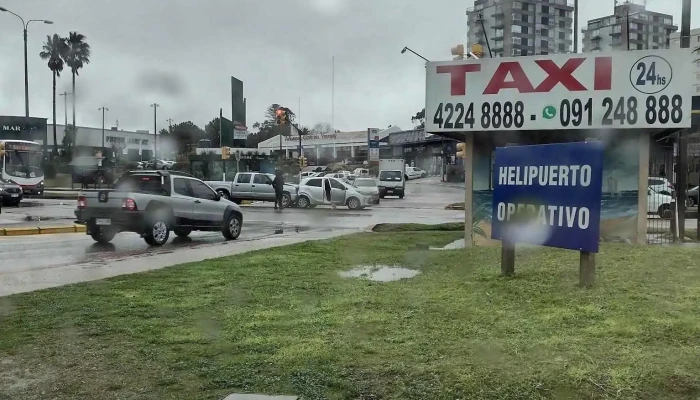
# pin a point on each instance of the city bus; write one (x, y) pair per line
(22, 164)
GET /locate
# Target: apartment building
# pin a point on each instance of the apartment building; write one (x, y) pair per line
(630, 27)
(522, 27)
(694, 44)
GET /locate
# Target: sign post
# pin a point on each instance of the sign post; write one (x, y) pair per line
(549, 195)
(639, 90)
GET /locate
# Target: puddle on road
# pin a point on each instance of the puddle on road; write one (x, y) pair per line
(380, 273)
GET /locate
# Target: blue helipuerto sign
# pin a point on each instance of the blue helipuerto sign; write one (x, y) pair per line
(549, 195)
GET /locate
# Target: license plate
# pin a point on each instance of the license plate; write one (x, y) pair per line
(103, 221)
(15, 195)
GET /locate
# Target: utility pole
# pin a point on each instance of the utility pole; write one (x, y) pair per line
(155, 130)
(65, 105)
(103, 126)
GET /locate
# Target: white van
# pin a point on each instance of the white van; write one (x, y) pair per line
(361, 172)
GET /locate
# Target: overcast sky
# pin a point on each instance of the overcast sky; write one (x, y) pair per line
(181, 54)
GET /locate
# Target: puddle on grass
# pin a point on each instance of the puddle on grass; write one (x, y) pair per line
(380, 273)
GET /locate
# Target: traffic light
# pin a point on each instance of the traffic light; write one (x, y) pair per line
(478, 50)
(281, 116)
(458, 52)
(461, 150)
(225, 153)
(2, 149)
(302, 162)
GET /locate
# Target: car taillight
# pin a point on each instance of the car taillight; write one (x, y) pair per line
(129, 204)
(82, 202)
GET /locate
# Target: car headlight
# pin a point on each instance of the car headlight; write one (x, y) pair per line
(41, 183)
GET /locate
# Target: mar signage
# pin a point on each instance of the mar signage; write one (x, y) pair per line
(549, 195)
(640, 89)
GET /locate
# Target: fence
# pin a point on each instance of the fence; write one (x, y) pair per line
(670, 176)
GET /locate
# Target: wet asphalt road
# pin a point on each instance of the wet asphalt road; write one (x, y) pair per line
(424, 203)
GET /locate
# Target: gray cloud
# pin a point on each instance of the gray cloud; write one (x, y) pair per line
(181, 54)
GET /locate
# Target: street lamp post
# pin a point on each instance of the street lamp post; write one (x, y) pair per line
(103, 109)
(65, 107)
(155, 130)
(26, 72)
(408, 49)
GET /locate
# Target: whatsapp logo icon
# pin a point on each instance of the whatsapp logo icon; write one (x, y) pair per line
(549, 112)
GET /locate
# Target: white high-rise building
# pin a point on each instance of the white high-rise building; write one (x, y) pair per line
(521, 27)
(630, 27)
(694, 44)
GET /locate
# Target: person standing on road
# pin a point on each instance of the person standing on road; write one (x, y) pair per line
(278, 185)
(327, 191)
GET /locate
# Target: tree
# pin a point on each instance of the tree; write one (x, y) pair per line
(54, 50)
(419, 118)
(185, 135)
(77, 56)
(322, 128)
(69, 140)
(268, 128)
(213, 131)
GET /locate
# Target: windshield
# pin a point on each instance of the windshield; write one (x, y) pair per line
(365, 183)
(390, 176)
(23, 164)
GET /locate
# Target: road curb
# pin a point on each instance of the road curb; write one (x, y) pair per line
(41, 231)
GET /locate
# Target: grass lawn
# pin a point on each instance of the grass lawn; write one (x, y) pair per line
(282, 321)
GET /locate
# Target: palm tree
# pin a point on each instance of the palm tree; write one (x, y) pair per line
(55, 49)
(77, 56)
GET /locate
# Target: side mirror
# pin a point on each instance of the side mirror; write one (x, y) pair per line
(217, 196)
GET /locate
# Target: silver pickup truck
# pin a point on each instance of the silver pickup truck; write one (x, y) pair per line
(253, 186)
(154, 203)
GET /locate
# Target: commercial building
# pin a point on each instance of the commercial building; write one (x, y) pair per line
(128, 145)
(432, 153)
(694, 44)
(320, 149)
(521, 27)
(22, 128)
(630, 27)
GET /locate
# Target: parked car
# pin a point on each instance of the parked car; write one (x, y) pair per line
(414, 173)
(369, 187)
(658, 203)
(661, 185)
(361, 172)
(312, 194)
(691, 196)
(253, 186)
(155, 203)
(10, 193)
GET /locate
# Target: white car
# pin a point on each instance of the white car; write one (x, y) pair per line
(414, 173)
(658, 203)
(311, 194)
(661, 185)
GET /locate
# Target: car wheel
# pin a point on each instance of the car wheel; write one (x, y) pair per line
(286, 200)
(232, 227)
(664, 209)
(303, 202)
(182, 232)
(401, 196)
(224, 194)
(689, 201)
(102, 235)
(158, 232)
(354, 203)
